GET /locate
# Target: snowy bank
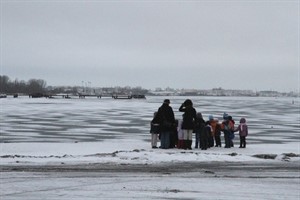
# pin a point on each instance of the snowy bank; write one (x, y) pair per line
(138, 152)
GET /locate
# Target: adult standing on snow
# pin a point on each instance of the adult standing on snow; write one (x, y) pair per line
(166, 120)
(189, 118)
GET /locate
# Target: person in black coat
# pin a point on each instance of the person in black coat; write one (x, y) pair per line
(189, 119)
(166, 120)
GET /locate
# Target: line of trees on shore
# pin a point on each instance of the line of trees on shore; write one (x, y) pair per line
(27, 87)
(39, 86)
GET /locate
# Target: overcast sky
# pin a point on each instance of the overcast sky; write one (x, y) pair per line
(179, 44)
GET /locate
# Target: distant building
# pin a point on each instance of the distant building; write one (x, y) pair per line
(268, 93)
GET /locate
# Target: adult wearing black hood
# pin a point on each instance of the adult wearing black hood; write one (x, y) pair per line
(189, 119)
(166, 119)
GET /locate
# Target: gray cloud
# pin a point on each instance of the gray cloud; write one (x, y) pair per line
(195, 44)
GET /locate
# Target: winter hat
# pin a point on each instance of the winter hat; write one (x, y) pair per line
(188, 102)
(199, 115)
(167, 101)
(211, 117)
(225, 116)
(242, 120)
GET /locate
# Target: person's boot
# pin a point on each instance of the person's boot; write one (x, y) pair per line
(178, 144)
(189, 144)
(185, 144)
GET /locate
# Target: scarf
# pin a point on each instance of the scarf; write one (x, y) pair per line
(242, 126)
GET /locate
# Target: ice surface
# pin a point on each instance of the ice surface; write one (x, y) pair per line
(73, 143)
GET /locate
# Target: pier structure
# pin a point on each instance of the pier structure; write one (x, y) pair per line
(83, 96)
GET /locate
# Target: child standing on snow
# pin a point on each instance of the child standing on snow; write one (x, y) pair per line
(218, 133)
(213, 125)
(174, 136)
(227, 127)
(204, 135)
(243, 132)
(154, 130)
(232, 123)
(199, 129)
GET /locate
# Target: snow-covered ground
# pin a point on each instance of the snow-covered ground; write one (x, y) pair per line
(134, 152)
(100, 149)
(116, 170)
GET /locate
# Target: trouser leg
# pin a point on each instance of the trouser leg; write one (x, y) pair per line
(165, 140)
(227, 140)
(190, 138)
(241, 141)
(153, 140)
(197, 140)
(218, 140)
(244, 142)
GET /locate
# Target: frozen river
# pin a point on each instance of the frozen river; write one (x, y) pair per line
(270, 120)
(99, 149)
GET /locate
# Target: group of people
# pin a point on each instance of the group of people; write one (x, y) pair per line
(174, 133)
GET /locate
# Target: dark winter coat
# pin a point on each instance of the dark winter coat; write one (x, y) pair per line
(199, 125)
(165, 118)
(154, 128)
(189, 117)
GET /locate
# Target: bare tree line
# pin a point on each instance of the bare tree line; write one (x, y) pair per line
(38, 87)
(8, 86)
